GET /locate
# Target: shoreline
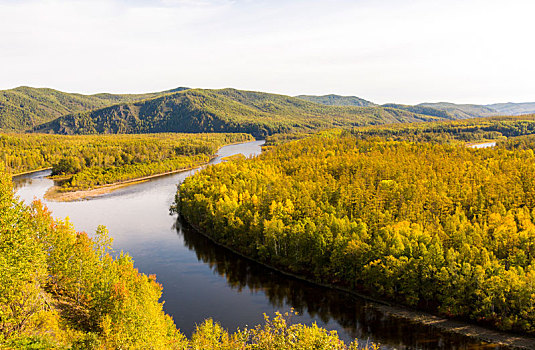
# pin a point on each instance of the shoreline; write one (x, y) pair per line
(54, 195)
(465, 328)
(30, 172)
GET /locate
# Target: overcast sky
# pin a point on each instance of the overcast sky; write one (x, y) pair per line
(381, 50)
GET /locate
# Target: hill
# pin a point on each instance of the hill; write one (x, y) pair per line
(24, 107)
(511, 108)
(462, 111)
(337, 100)
(444, 110)
(426, 110)
(226, 110)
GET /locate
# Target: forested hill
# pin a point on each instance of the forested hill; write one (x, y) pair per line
(337, 100)
(423, 109)
(462, 111)
(511, 108)
(226, 110)
(24, 107)
(444, 110)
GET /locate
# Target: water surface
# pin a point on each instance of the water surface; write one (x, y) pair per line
(484, 144)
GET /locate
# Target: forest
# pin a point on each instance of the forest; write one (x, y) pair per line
(25, 107)
(225, 110)
(94, 160)
(434, 225)
(64, 289)
(466, 130)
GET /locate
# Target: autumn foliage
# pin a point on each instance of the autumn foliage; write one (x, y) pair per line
(62, 289)
(440, 227)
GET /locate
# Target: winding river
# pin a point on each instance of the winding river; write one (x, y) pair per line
(202, 280)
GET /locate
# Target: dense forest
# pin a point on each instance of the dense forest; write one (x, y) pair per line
(24, 107)
(437, 226)
(459, 131)
(337, 100)
(93, 160)
(63, 289)
(226, 110)
(453, 132)
(463, 111)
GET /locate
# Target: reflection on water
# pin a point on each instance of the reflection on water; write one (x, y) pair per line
(358, 317)
(202, 280)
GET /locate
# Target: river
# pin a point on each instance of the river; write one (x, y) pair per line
(484, 144)
(202, 280)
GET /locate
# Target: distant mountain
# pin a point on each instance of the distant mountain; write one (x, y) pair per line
(422, 109)
(511, 108)
(25, 107)
(226, 110)
(337, 100)
(462, 111)
(441, 109)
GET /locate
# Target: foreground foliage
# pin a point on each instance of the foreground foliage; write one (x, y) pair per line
(95, 160)
(59, 287)
(441, 227)
(62, 289)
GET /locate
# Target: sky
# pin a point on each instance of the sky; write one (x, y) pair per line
(409, 52)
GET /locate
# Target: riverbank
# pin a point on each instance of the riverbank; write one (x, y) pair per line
(467, 329)
(55, 194)
(30, 172)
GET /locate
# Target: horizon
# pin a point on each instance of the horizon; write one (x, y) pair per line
(409, 52)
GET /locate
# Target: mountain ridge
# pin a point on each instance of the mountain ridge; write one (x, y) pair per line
(206, 110)
(25, 107)
(337, 100)
(223, 110)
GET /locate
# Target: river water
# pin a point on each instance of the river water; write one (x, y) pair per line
(484, 145)
(202, 280)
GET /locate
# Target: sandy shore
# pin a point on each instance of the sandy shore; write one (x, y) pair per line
(55, 195)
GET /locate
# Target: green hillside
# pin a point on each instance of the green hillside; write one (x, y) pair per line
(226, 110)
(465, 111)
(337, 100)
(24, 107)
(462, 111)
(421, 109)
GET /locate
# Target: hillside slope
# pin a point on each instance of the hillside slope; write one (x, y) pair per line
(511, 108)
(426, 110)
(462, 111)
(226, 110)
(24, 107)
(337, 100)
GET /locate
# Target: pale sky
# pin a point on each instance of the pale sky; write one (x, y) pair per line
(467, 51)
